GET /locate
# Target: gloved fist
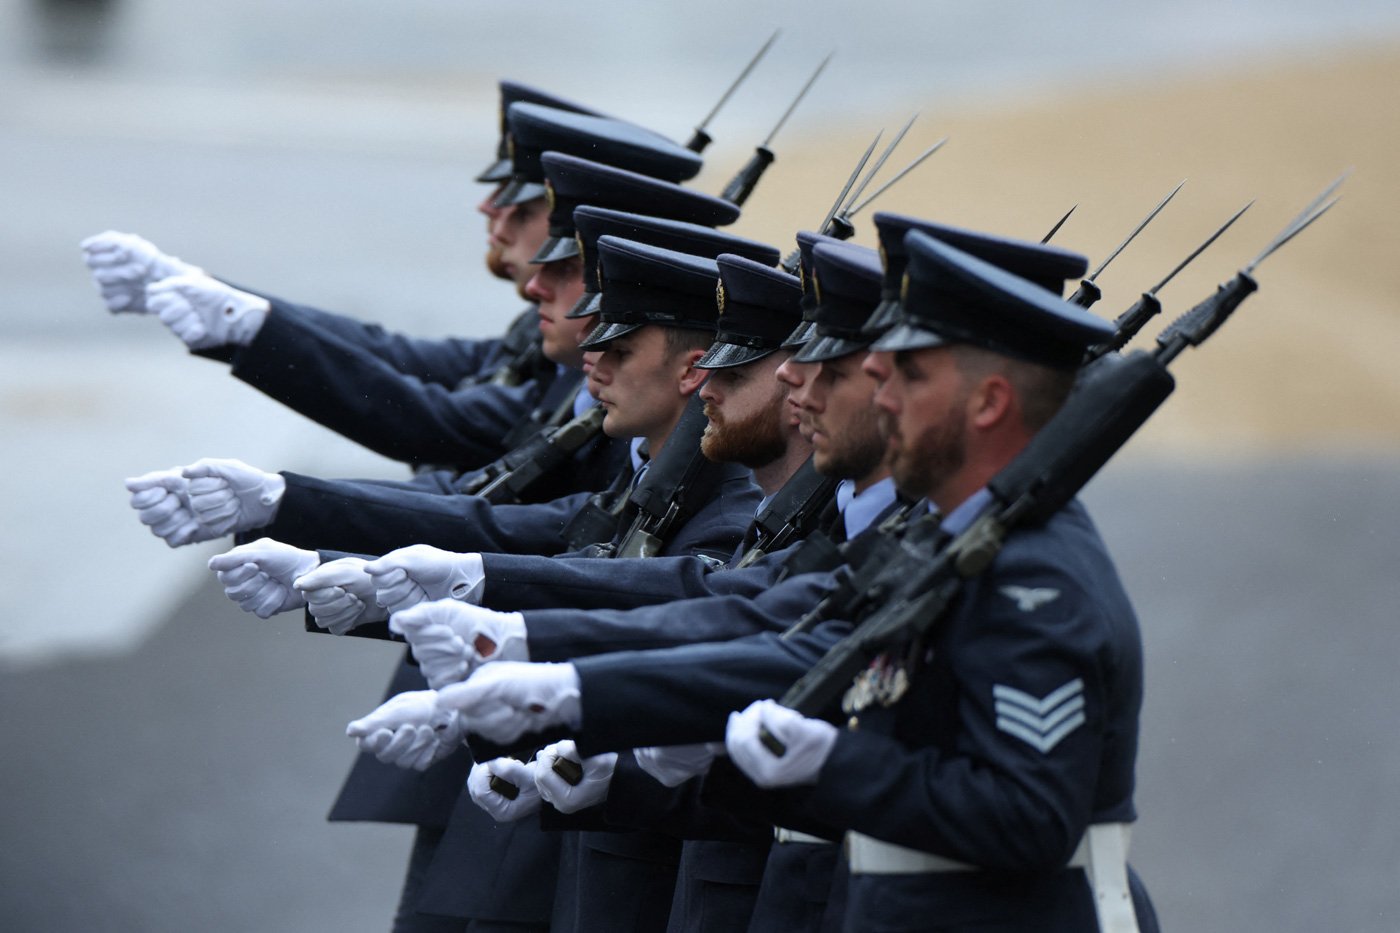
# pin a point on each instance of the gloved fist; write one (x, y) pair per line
(421, 573)
(673, 765)
(409, 730)
(123, 264)
(518, 774)
(451, 639)
(504, 701)
(258, 576)
(591, 789)
(340, 596)
(162, 503)
(230, 495)
(204, 312)
(806, 744)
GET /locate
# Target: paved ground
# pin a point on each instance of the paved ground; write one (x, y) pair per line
(183, 787)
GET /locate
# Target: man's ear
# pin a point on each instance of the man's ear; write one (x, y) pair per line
(692, 379)
(992, 402)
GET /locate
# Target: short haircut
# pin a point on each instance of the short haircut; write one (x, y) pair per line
(1042, 390)
(685, 339)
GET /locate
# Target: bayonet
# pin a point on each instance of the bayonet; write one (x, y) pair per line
(1200, 249)
(1297, 229)
(742, 185)
(800, 94)
(1060, 223)
(1088, 292)
(701, 139)
(1306, 216)
(879, 163)
(1204, 319)
(845, 189)
(1136, 230)
(902, 172)
(793, 259)
(1303, 218)
(1127, 324)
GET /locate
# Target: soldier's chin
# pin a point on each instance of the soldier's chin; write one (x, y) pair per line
(496, 265)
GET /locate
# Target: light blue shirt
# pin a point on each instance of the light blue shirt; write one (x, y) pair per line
(634, 448)
(859, 511)
(583, 400)
(957, 520)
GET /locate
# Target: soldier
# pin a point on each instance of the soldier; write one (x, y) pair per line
(400, 397)
(979, 766)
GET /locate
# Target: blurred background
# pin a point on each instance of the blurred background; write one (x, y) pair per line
(168, 760)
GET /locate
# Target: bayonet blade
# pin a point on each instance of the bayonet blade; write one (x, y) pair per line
(850, 181)
(1200, 249)
(902, 172)
(1294, 230)
(879, 163)
(1058, 224)
(1136, 230)
(800, 94)
(740, 80)
(1303, 218)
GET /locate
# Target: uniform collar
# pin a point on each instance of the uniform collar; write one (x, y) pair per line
(957, 520)
(858, 512)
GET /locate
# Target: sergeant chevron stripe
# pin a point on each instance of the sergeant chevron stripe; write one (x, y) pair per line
(1040, 723)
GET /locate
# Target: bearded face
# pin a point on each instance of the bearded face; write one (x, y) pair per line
(851, 446)
(754, 440)
(495, 264)
(928, 460)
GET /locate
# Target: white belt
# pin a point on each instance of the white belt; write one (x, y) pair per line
(783, 834)
(1102, 853)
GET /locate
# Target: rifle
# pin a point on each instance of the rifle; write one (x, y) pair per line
(1114, 396)
(792, 513)
(676, 485)
(544, 454)
(527, 432)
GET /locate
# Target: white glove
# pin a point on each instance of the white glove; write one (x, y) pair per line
(204, 312)
(123, 264)
(451, 639)
(519, 774)
(807, 744)
(504, 701)
(409, 730)
(591, 789)
(230, 495)
(162, 503)
(673, 765)
(421, 573)
(258, 576)
(340, 596)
